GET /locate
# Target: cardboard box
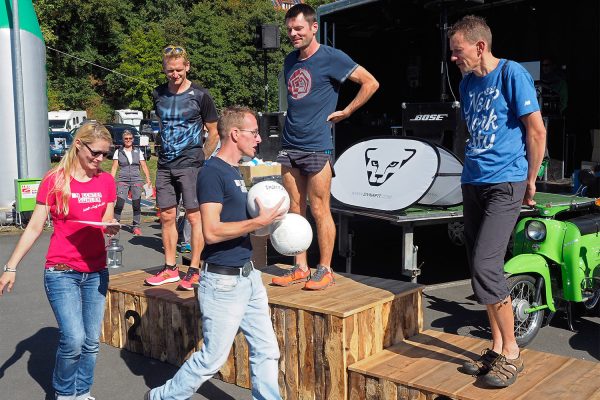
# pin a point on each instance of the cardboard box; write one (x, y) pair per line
(250, 173)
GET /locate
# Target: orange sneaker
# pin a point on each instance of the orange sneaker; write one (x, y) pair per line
(321, 279)
(165, 275)
(293, 275)
(190, 279)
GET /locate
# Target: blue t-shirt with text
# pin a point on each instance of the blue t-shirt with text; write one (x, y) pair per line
(220, 182)
(313, 87)
(492, 107)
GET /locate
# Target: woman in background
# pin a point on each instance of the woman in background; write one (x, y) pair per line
(130, 160)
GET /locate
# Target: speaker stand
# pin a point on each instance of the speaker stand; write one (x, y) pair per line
(265, 80)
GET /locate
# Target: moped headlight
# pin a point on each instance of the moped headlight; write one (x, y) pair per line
(535, 230)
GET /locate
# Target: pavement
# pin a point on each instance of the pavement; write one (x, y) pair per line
(29, 333)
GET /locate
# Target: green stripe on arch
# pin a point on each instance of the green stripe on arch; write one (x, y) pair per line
(27, 18)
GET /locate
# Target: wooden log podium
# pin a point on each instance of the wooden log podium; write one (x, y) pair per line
(320, 333)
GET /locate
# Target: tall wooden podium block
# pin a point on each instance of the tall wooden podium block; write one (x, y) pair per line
(320, 333)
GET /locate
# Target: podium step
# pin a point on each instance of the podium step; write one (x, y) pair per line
(425, 366)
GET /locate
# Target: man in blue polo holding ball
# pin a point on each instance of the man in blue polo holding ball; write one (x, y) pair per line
(231, 293)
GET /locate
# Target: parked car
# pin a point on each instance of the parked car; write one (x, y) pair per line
(151, 126)
(116, 131)
(59, 143)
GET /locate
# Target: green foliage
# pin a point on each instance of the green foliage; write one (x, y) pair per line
(126, 37)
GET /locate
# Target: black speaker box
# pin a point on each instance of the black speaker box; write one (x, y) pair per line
(270, 126)
(267, 37)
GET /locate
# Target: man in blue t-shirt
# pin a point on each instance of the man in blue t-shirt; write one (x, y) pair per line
(314, 74)
(231, 293)
(502, 158)
(184, 109)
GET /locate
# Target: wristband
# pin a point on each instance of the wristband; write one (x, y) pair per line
(7, 269)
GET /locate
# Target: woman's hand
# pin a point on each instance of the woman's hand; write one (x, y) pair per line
(7, 280)
(112, 230)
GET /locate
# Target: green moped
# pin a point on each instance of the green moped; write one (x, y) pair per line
(555, 264)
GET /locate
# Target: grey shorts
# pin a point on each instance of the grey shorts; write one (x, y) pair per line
(173, 184)
(490, 214)
(308, 162)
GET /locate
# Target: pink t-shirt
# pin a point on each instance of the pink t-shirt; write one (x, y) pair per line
(77, 245)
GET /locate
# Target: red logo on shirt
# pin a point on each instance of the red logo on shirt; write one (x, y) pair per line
(299, 84)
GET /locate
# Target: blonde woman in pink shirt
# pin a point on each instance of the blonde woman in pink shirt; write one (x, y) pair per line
(75, 277)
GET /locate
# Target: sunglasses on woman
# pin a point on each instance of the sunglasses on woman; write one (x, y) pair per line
(96, 153)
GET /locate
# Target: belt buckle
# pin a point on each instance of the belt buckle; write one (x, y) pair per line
(247, 269)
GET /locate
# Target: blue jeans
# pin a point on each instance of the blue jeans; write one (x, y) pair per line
(228, 303)
(77, 300)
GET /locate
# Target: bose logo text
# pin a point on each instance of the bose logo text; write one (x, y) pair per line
(429, 117)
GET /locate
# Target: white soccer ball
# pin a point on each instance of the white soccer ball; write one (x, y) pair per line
(269, 193)
(292, 235)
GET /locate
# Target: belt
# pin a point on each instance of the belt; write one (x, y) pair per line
(61, 267)
(244, 270)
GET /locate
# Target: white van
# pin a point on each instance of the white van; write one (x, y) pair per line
(131, 117)
(65, 120)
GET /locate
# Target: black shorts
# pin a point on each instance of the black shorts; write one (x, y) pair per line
(308, 162)
(172, 184)
(490, 214)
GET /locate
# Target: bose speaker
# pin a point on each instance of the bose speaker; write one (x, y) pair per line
(267, 37)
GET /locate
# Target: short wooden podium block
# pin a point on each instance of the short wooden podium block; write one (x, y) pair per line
(320, 333)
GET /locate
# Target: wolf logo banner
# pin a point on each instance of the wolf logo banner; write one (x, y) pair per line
(396, 173)
(380, 167)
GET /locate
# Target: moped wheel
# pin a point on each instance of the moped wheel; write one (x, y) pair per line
(522, 293)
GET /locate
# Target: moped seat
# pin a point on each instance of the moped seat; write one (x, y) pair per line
(587, 224)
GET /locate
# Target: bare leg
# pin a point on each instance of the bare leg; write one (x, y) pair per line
(169, 234)
(319, 189)
(197, 240)
(501, 315)
(295, 185)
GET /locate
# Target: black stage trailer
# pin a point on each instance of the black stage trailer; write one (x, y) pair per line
(403, 44)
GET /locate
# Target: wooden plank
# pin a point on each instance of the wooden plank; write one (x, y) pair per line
(115, 325)
(319, 346)
(306, 357)
(106, 322)
(242, 370)
(378, 329)
(174, 345)
(388, 321)
(575, 379)
(357, 386)
(146, 326)
(538, 366)
(161, 330)
(366, 320)
(372, 390)
(352, 339)
(334, 358)
(278, 318)
(389, 390)
(291, 354)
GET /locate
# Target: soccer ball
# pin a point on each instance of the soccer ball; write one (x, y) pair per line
(269, 193)
(292, 235)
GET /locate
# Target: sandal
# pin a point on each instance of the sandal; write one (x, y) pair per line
(482, 365)
(504, 372)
